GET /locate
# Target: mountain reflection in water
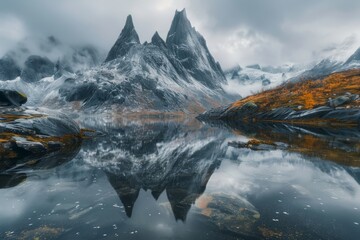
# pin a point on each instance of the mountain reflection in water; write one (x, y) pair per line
(181, 180)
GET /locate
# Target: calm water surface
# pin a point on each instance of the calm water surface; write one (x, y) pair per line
(181, 180)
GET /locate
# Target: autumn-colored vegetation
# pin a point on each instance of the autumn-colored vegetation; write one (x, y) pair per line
(307, 94)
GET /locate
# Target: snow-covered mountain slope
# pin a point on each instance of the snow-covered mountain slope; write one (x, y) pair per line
(48, 51)
(254, 78)
(179, 75)
(334, 59)
(251, 80)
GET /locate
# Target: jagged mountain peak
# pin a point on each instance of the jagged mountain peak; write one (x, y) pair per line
(128, 37)
(129, 25)
(190, 48)
(158, 41)
(180, 27)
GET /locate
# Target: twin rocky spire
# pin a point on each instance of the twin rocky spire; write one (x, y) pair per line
(183, 43)
(179, 29)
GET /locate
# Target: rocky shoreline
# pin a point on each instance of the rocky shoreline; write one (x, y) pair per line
(332, 101)
(249, 112)
(32, 137)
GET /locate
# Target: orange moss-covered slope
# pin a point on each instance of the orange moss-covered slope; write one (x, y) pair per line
(307, 94)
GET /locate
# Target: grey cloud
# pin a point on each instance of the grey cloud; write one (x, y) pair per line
(243, 31)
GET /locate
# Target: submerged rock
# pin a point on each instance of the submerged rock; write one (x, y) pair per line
(228, 212)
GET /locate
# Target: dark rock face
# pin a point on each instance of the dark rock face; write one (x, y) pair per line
(9, 69)
(11, 98)
(128, 37)
(158, 41)
(190, 48)
(36, 68)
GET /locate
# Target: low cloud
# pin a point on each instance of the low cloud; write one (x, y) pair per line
(237, 31)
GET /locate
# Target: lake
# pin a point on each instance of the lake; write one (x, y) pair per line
(172, 179)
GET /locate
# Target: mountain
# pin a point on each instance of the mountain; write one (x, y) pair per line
(334, 59)
(176, 75)
(245, 81)
(330, 100)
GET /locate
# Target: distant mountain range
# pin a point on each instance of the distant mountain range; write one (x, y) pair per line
(254, 78)
(178, 74)
(175, 75)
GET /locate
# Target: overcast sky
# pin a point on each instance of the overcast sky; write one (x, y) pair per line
(237, 31)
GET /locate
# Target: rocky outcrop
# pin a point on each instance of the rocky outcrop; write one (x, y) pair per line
(341, 100)
(10, 98)
(36, 68)
(32, 137)
(9, 69)
(304, 102)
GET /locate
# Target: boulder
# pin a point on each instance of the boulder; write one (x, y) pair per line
(10, 98)
(346, 98)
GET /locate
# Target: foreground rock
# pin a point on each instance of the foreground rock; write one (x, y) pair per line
(33, 138)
